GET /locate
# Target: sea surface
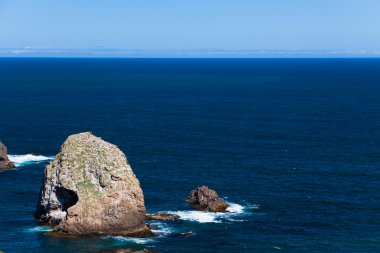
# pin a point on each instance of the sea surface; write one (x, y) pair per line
(292, 144)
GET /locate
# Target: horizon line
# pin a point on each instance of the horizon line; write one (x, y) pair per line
(189, 58)
(104, 52)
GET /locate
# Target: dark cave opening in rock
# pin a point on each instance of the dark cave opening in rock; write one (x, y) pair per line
(66, 197)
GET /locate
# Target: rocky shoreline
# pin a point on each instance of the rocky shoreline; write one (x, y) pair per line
(162, 216)
(89, 189)
(5, 163)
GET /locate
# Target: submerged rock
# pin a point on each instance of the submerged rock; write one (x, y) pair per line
(205, 199)
(184, 235)
(5, 163)
(90, 189)
(162, 216)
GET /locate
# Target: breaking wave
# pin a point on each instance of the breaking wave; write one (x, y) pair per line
(159, 228)
(22, 160)
(234, 208)
(39, 229)
(209, 217)
(201, 217)
(131, 239)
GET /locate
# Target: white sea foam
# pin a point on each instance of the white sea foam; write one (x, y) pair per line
(252, 206)
(235, 208)
(236, 220)
(209, 217)
(20, 160)
(201, 217)
(161, 229)
(131, 239)
(39, 229)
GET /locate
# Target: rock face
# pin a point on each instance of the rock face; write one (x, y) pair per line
(205, 199)
(162, 216)
(5, 163)
(90, 189)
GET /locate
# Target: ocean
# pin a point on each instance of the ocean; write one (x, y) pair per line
(292, 144)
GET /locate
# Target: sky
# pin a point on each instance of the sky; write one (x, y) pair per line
(184, 28)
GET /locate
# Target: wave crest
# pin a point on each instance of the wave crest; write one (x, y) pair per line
(130, 239)
(21, 160)
(209, 217)
(39, 229)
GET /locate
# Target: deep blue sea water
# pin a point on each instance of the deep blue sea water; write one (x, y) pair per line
(294, 145)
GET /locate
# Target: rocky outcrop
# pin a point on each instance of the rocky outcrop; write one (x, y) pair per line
(205, 199)
(162, 216)
(90, 189)
(5, 163)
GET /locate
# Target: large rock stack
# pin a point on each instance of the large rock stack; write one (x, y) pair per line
(90, 189)
(5, 163)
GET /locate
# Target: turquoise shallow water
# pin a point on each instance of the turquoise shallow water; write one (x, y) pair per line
(294, 145)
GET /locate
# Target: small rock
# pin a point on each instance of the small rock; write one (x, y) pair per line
(5, 163)
(205, 199)
(162, 216)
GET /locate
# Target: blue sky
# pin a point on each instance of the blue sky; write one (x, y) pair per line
(235, 27)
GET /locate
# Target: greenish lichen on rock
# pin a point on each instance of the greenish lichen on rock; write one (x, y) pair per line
(91, 189)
